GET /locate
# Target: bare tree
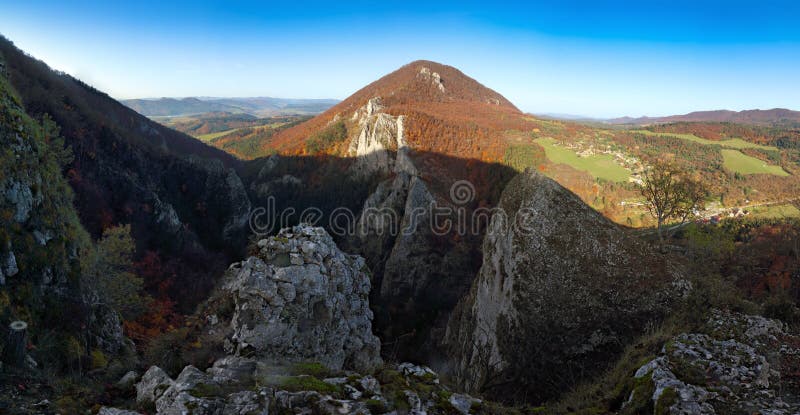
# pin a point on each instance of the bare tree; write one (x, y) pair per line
(672, 194)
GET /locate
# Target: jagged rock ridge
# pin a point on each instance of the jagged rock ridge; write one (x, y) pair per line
(560, 294)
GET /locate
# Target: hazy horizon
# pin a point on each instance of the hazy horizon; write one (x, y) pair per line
(592, 60)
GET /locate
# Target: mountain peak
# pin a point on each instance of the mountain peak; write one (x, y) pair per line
(420, 87)
(428, 81)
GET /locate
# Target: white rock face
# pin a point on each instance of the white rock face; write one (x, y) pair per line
(20, 196)
(433, 77)
(302, 298)
(379, 135)
(152, 385)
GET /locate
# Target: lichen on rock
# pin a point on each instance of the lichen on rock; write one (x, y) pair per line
(735, 366)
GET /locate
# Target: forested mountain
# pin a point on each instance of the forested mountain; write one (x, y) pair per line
(440, 103)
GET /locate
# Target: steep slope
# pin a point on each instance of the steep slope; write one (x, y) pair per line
(182, 197)
(42, 244)
(561, 290)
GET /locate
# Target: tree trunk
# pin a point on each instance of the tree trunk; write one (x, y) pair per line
(658, 230)
(14, 352)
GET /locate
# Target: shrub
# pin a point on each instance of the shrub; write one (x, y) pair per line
(108, 273)
(306, 383)
(315, 369)
(164, 351)
(99, 359)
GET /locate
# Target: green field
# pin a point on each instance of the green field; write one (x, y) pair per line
(776, 212)
(736, 143)
(601, 166)
(737, 162)
(209, 137)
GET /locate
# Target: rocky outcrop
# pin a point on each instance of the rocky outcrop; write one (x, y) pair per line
(239, 386)
(419, 274)
(300, 320)
(301, 298)
(432, 77)
(8, 265)
(416, 279)
(737, 364)
(379, 146)
(561, 290)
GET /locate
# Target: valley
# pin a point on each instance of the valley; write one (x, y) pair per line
(238, 134)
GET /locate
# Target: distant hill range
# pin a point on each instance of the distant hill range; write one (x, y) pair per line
(256, 106)
(762, 117)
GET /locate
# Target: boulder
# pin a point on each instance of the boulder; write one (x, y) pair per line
(152, 385)
(114, 411)
(191, 392)
(232, 370)
(127, 381)
(269, 389)
(560, 291)
(303, 299)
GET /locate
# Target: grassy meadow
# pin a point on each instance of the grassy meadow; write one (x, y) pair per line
(737, 162)
(601, 166)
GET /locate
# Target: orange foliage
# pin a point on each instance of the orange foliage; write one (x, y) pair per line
(159, 318)
(161, 315)
(773, 258)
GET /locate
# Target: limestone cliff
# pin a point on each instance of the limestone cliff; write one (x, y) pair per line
(379, 145)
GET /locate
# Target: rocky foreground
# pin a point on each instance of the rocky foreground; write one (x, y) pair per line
(299, 341)
(737, 364)
(240, 386)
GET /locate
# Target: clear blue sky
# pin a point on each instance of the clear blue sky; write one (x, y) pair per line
(591, 58)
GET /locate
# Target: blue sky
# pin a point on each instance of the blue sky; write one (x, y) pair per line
(593, 58)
